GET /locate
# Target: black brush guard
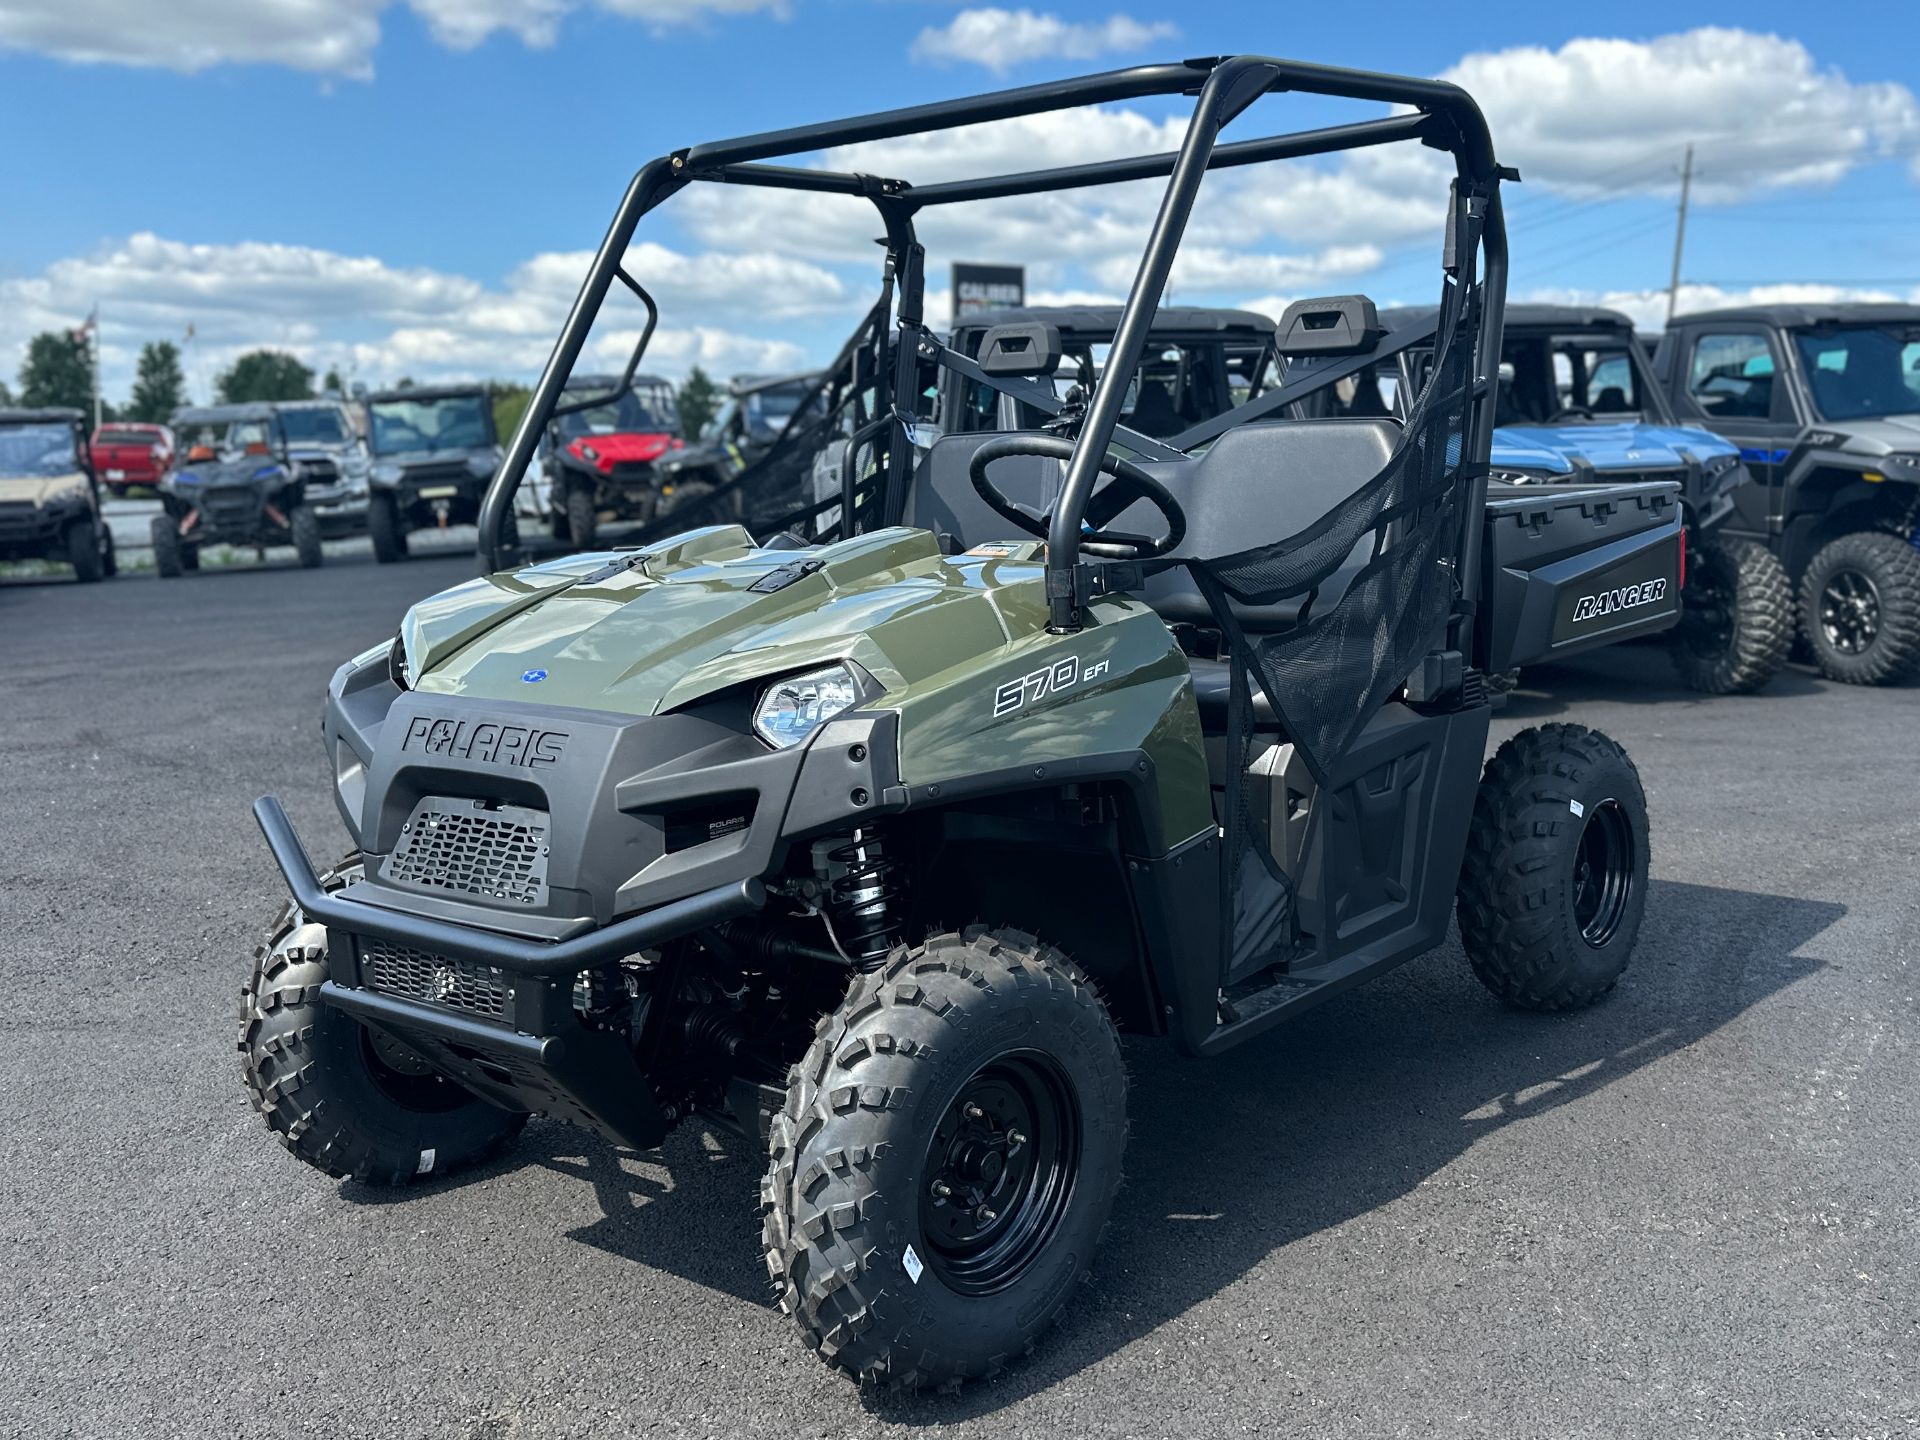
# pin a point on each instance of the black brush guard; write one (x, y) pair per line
(537, 1055)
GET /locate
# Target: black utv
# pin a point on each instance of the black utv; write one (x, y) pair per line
(873, 843)
(236, 482)
(1824, 403)
(50, 499)
(1199, 363)
(434, 450)
(759, 410)
(1577, 407)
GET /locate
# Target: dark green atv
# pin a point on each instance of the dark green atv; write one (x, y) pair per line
(876, 841)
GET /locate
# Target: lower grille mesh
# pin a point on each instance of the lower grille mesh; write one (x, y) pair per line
(409, 974)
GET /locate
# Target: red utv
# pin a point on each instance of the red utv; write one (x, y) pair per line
(603, 453)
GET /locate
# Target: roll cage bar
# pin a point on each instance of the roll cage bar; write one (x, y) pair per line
(1440, 115)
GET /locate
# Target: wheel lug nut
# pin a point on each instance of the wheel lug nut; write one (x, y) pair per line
(1015, 1139)
(942, 1189)
(986, 1216)
(972, 1111)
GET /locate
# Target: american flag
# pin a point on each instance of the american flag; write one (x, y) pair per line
(89, 325)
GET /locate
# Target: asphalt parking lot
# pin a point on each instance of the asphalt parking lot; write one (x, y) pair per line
(1690, 1211)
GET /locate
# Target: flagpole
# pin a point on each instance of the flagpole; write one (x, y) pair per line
(95, 337)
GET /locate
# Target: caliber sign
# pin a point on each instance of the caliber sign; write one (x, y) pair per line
(987, 287)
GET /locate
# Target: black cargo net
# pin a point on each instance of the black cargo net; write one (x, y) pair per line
(1376, 580)
(839, 433)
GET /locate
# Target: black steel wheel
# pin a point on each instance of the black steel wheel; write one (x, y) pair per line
(1004, 1160)
(1860, 608)
(1554, 884)
(1603, 873)
(946, 1159)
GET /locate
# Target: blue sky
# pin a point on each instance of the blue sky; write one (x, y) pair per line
(407, 186)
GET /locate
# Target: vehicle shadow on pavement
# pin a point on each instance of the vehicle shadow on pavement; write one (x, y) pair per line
(1230, 1160)
(1357, 1104)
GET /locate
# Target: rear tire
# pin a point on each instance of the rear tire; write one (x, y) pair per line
(1736, 619)
(582, 519)
(686, 496)
(323, 1085)
(927, 1072)
(305, 526)
(167, 563)
(109, 558)
(83, 552)
(384, 527)
(1860, 608)
(1554, 884)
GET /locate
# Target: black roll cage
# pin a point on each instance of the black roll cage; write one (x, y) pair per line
(1440, 115)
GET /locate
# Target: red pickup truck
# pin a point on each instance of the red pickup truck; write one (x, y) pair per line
(127, 454)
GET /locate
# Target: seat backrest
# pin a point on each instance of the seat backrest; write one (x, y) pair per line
(1255, 485)
(942, 498)
(1258, 485)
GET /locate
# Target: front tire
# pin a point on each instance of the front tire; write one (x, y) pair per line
(582, 518)
(339, 1100)
(1736, 619)
(83, 552)
(167, 558)
(305, 528)
(1554, 884)
(384, 528)
(946, 1160)
(1860, 608)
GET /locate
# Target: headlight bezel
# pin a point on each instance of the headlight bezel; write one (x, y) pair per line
(835, 689)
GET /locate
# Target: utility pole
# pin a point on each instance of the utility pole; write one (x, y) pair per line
(1680, 233)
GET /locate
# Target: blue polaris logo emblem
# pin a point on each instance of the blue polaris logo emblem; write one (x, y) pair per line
(534, 677)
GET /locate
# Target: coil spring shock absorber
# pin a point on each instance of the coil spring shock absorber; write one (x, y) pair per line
(860, 889)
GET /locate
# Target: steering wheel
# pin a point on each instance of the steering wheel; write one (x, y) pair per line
(1130, 483)
(1570, 412)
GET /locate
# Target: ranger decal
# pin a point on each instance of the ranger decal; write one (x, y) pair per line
(1626, 597)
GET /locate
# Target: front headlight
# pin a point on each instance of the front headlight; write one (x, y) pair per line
(794, 708)
(1714, 466)
(1901, 461)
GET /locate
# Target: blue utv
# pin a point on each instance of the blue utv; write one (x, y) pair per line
(1577, 406)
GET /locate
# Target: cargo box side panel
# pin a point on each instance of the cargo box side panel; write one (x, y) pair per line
(1570, 573)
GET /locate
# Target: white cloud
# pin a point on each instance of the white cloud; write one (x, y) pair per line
(1001, 39)
(1648, 308)
(333, 37)
(383, 321)
(1600, 116)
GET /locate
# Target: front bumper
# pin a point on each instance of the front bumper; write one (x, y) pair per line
(495, 1012)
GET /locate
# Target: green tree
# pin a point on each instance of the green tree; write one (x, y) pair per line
(59, 371)
(509, 404)
(333, 382)
(699, 401)
(265, 375)
(6, 395)
(159, 385)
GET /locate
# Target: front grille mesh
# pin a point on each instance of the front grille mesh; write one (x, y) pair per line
(409, 974)
(462, 846)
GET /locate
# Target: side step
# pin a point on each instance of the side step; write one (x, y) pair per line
(1257, 1005)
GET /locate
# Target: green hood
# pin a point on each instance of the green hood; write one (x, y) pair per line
(683, 619)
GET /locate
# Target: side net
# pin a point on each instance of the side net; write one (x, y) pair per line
(1376, 578)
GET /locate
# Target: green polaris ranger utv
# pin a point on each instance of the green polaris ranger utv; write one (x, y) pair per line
(876, 842)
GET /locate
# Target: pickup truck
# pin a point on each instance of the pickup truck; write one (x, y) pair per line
(128, 453)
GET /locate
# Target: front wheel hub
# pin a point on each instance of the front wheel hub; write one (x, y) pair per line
(1000, 1167)
(1850, 612)
(1602, 872)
